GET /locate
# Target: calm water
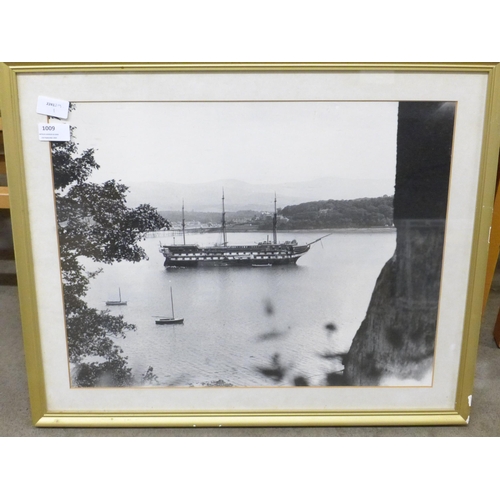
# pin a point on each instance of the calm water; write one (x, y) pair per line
(237, 319)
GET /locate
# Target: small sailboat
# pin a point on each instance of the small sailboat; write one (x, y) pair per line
(118, 302)
(172, 320)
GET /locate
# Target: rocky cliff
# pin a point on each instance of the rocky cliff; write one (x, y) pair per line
(396, 339)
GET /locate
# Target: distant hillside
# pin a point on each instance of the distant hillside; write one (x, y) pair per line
(239, 195)
(359, 213)
(362, 212)
(206, 217)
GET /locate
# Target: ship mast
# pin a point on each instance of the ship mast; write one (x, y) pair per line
(183, 225)
(275, 222)
(172, 302)
(224, 238)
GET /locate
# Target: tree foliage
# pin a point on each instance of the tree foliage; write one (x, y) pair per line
(361, 213)
(94, 222)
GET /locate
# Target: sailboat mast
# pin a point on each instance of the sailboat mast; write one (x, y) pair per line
(275, 223)
(224, 238)
(183, 225)
(120, 294)
(172, 302)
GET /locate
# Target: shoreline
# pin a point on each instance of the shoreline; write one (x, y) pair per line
(328, 229)
(268, 231)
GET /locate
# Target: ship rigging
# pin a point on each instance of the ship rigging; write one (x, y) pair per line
(264, 254)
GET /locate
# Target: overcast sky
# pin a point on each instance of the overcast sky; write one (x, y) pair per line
(257, 142)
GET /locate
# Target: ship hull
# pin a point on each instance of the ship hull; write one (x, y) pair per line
(169, 321)
(227, 263)
(193, 256)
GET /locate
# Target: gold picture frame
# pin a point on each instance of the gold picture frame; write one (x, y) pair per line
(106, 93)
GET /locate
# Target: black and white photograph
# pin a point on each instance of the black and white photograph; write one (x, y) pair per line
(252, 243)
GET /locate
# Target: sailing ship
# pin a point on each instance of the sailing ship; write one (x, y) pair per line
(172, 320)
(118, 302)
(264, 254)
